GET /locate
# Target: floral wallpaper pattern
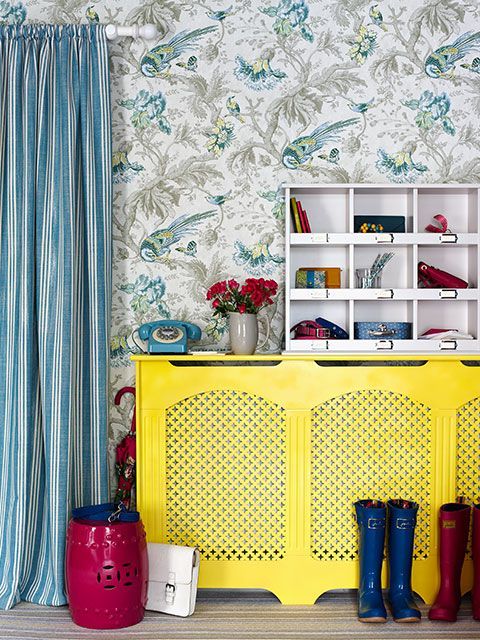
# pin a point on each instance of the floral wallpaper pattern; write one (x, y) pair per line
(234, 98)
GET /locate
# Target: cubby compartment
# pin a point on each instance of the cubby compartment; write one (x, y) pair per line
(398, 272)
(320, 256)
(461, 315)
(327, 210)
(459, 205)
(387, 320)
(336, 311)
(383, 311)
(372, 201)
(461, 262)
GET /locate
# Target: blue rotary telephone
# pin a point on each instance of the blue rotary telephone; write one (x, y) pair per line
(169, 336)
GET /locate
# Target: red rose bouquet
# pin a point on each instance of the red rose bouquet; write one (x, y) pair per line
(228, 295)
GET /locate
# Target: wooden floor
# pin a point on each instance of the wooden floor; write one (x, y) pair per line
(239, 615)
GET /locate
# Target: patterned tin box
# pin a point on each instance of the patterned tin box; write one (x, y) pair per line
(331, 274)
(310, 279)
(379, 330)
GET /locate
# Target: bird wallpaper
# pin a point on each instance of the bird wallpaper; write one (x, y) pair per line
(233, 99)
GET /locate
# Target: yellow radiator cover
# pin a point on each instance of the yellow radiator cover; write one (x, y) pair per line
(257, 460)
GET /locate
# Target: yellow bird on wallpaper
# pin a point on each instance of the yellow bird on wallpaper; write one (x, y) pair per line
(159, 59)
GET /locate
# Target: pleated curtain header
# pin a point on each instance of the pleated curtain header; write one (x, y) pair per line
(52, 31)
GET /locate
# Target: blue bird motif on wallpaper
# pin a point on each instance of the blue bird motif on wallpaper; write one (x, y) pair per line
(123, 170)
(159, 59)
(472, 66)
(159, 244)
(190, 65)
(219, 200)
(234, 109)
(189, 250)
(400, 166)
(298, 154)
(258, 74)
(333, 156)
(92, 15)
(376, 17)
(220, 15)
(361, 107)
(257, 258)
(441, 63)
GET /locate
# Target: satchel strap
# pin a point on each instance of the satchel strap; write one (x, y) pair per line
(107, 512)
(309, 329)
(442, 221)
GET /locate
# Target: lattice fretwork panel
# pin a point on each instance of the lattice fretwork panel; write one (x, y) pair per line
(226, 474)
(468, 454)
(367, 444)
(468, 451)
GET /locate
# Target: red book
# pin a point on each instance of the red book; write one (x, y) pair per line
(303, 218)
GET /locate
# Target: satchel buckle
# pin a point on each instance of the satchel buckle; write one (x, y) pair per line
(170, 588)
(169, 593)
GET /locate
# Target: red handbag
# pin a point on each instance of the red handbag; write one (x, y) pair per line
(433, 278)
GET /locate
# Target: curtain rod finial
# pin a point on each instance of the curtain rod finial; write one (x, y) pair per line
(147, 31)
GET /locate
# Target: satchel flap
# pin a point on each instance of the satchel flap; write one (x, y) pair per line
(165, 559)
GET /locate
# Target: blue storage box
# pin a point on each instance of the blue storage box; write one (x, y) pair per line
(382, 330)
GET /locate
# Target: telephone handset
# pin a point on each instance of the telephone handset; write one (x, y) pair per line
(169, 336)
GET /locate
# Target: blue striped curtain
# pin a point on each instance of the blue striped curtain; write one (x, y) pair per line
(55, 216)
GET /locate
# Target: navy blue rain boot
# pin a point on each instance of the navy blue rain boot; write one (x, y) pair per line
(371, 516)
(402, 517)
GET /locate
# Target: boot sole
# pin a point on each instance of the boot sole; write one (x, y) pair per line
(374, 620)
(412, 619)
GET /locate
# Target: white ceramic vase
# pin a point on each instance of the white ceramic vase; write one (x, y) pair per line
(243, 333)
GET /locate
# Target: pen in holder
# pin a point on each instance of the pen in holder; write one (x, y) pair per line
(368, 279)
(372, 278)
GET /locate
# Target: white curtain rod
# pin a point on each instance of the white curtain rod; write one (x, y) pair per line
(147, 31)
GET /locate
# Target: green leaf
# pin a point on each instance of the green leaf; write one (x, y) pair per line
(424, 120)
(306, 32)
(441, 16)
(411, 104)
(164, 125)
(128, 288)
(128, 104)
(448, 126)
(269, 11)
(283, 27)
(140, 119)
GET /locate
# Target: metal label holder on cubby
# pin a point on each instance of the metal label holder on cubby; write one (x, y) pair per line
(336, 244)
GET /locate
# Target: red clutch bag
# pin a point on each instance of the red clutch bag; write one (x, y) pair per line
(433, 278)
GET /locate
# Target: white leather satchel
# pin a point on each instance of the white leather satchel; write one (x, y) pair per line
(173, 578)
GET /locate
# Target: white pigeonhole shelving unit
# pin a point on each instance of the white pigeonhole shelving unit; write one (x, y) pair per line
(332, 243)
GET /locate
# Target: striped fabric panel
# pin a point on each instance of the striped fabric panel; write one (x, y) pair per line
(55, 292)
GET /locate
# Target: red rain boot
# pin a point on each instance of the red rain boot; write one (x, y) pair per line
(454, 526)
(476, 562)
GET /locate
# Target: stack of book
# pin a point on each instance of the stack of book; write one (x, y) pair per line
(300, 220)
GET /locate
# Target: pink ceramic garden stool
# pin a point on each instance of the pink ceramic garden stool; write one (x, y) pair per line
(106, 568)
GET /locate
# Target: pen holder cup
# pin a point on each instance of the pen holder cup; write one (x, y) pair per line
(365, 279)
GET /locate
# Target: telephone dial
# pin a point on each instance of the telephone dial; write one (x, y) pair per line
(169, 336)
